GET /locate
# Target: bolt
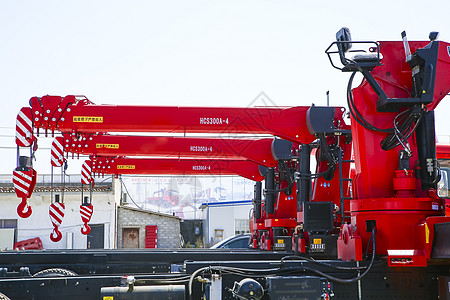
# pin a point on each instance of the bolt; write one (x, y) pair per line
(36, 119)
(46, 118)
(53, 119)
(48, 111)
(68, 109)
(60, 109)
(62, 119)
(36, 112)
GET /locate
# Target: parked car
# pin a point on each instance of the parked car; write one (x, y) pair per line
(240, 241)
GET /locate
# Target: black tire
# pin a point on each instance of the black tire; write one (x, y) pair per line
(56, 272)
(4, 297)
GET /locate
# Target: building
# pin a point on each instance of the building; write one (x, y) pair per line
(225, 219)
(135, 229)
(109, 223)
(105, 195)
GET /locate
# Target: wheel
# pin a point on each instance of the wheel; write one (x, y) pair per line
(4, 297)
(56, 272)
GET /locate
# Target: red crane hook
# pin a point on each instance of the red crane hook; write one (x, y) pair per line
(86, 211)
(24, 179)
(56, 213)
(85, 229)
(23, 209)
(56, 235)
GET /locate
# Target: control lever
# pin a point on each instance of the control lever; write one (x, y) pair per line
(406, 47)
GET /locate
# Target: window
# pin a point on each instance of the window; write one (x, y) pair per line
(8, 223)
(241, 226)
(238, 243)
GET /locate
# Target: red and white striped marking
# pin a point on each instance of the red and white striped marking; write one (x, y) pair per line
(57, 152)
(24, 127)
(86, 212)
(22, 181)
(56, 213)
(86, 172)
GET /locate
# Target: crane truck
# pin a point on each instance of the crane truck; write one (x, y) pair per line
(389, 236)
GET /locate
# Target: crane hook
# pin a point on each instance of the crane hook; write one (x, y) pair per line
(56, 213)
(23, 209)
(85, 229)
(86, 211)
(56, 235)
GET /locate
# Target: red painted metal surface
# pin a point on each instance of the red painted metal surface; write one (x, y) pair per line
(442, 151)
(69, 114)
(86, 211)
(151, 236)
(379, 190)
(30, 244)
(284, 215)
(375, 167)
(56, 213)
(349, 244)
(329, 190)
(396, 220)
(24, 128)
(404, 183)
(287, 222)
(86, 172)
(157, 166)
(257, 150)
(57, 152)
(298, 244)
(24, 182)
(383, 194)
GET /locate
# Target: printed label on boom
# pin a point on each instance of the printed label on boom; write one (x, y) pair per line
(127, 167)
(213, 121)
(201, 149)
(107, 146)
(86, 119)
(201, 168)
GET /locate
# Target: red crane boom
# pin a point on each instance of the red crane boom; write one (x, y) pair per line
(261, 151)
(156, 166)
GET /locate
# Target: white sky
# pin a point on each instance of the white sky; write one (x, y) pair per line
(202, 53)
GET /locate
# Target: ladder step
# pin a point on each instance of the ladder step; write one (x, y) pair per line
(348, 160)
(348, 198)
(347, 179)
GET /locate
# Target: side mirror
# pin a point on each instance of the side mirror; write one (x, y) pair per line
(443, 184)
